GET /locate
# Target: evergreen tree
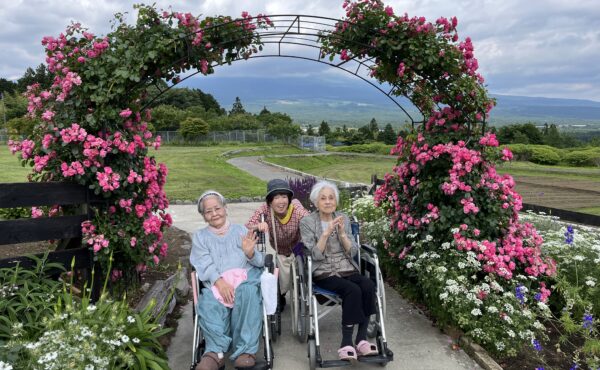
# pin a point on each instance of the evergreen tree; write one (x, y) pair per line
(237, 107)
(7, 86)
(41, 75)
(552, 136)
(264, 111)
(310, 130)
(374, 128)
(388, 136)
(324, 129)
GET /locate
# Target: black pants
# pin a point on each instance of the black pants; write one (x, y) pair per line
(358, 296)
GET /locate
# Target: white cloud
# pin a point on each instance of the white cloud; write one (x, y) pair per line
(547, 48)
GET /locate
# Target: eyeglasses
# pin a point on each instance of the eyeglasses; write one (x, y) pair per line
(215, 210)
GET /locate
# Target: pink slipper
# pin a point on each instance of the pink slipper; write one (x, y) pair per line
(365, 348)
(347, 353)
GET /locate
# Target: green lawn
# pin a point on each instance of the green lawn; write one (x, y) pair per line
(339, 167)
(192, 169)
(538, 170)
(10, 167)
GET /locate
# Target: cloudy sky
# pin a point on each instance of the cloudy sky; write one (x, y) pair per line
(547, 48)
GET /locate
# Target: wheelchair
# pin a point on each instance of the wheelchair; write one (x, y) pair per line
(271, 323)
(307, 299)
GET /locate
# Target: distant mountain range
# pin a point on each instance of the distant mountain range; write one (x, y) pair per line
(354, 103)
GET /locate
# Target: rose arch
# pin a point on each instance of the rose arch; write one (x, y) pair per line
(444, 197)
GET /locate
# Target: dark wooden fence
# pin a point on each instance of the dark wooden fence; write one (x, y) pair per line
(66, 229)
(565, 215)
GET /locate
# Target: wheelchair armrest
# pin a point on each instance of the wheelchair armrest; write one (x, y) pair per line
(368, 248)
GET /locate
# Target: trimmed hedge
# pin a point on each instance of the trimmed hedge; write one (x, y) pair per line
(542, 155)
(582, 158)
(373, 148)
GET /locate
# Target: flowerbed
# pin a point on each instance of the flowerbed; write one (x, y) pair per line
(505, 316)
(44, 325)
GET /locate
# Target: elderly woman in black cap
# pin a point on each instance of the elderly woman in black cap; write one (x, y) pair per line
(280, 217)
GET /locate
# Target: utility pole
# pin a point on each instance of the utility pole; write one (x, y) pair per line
(3, 108)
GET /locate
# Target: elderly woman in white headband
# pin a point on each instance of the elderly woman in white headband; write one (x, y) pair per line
(327, 235)
(227, 262)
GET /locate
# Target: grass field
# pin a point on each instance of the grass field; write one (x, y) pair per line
(571, 188)
(192, 170)
(341, 167)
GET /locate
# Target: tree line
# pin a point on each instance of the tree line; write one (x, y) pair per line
(191, 112)
(363, 135)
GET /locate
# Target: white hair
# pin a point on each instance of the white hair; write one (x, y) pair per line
(316, 189)
(207, 194)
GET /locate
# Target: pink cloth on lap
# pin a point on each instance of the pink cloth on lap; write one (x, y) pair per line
(233, 277)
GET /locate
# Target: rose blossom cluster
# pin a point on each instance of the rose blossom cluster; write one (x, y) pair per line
(468, 181)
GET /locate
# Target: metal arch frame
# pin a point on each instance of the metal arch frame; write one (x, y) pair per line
(304, 31)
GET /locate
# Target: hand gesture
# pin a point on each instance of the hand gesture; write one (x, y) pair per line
(226, 290)
(248, 244)
(262, 227)
(339, 222)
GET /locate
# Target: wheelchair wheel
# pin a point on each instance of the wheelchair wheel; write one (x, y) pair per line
(294, 309)
(373, 327)
(312, 354)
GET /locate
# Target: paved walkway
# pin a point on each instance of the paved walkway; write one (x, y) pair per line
(259, 169)
(416, 343)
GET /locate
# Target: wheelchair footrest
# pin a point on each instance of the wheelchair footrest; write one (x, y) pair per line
(377, 359)
(335, 363)
(259, 365)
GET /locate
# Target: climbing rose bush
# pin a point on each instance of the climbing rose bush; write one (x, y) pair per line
(94, 128)
(453, 228)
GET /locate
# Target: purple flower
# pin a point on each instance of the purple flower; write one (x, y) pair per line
(569, 235)
(538, 296)
(588, 321)
(519, 293)
(536, 345)
(574, 367)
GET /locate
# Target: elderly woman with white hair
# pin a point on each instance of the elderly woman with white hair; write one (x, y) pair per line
(326, 233)
(229, 265)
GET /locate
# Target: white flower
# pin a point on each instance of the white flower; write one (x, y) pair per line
(500, 346)
(429, 238)
(443, 296)
(542, 306)
(476, 312)
(510, 333)
(509, 308)
(135, 340)
(89, 367)
(591, 283)
(91, 308)
(461, 265)
(5, 366)
(579, 258)
(492, 309)
(409, 265)
(508, 319)
(454, 231)
(125, 339)
(538, 325)
(130, 319)
(446, 245)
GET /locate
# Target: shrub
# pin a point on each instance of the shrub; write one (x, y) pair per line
(43, 325)
(583, 158)
(521, 152)
(373, 148)
(543, 155)
(192, 128)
